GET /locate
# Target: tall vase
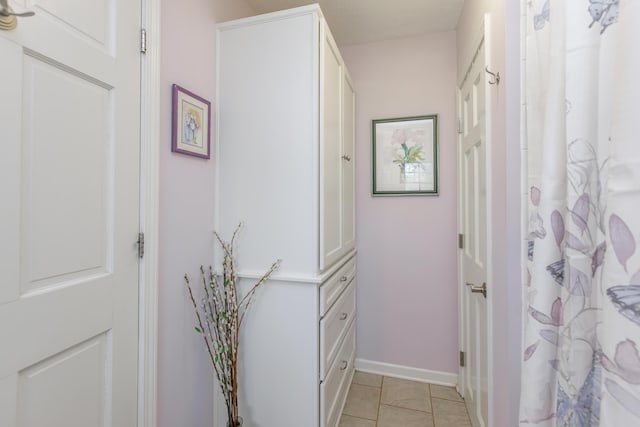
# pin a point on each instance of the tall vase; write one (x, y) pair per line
(403, 177)
(239, 424)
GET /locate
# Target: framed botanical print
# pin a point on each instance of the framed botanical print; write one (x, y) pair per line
(405, 156)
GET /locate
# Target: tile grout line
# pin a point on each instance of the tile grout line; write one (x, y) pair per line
(433, 417)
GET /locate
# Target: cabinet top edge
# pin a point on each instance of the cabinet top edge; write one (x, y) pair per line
(311, 9)
(316, 279)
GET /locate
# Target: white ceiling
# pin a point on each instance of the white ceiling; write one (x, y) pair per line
(364, 21)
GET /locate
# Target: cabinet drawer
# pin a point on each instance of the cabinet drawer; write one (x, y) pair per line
(334, 326)
(333, 287)
(334, 389)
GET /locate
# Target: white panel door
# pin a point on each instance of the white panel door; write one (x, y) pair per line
(330, 150)
(473, 225)
(69, 185)
(348, 164)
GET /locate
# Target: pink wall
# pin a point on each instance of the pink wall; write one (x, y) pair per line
(407, 254)
(407, 297)
(185, 386)
(505, 109)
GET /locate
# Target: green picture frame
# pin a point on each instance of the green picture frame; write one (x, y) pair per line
(405, 156)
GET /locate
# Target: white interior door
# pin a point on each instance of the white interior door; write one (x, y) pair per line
(472, 152)
(69, 169)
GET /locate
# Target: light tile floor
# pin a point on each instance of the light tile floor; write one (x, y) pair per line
(377, 401)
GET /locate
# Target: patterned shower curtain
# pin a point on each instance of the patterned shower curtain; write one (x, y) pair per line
(581, 362)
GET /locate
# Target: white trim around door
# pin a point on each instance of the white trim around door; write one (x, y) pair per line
(149, 183)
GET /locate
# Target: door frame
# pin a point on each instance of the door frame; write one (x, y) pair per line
(483, 38)
(149, 199)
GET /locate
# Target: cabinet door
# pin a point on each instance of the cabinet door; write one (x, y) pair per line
(348, 164)
(331, 248)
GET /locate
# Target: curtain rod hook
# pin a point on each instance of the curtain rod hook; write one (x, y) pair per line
(496, 76)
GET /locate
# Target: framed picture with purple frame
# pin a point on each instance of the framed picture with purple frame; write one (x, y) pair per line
(191, 123)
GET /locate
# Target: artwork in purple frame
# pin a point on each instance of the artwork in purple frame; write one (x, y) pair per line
(191, 123)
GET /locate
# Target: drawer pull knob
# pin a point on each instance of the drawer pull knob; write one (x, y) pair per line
(344, 278)
(343, 316)
(343, 365)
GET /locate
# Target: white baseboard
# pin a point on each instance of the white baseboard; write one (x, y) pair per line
(406, 372)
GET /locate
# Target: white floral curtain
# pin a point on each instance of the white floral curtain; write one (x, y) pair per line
(581, 362)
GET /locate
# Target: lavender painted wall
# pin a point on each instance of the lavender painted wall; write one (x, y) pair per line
(505, 105)
(185, 386)
(407, 297)
(407, 256)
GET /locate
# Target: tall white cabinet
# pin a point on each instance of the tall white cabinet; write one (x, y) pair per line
(285, 168)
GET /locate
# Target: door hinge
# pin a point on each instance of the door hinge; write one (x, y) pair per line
(143, 41)
(460, 241)
(462, 359)
(459, 125)
(140, 245)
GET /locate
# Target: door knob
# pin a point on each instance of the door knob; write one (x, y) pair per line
(8, 19)
(478, 289)
(5, 10)
(10, 12)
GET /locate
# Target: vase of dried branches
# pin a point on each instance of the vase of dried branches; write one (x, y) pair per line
(238, 424)
(220, 315)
